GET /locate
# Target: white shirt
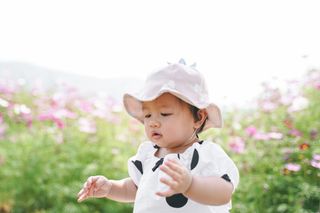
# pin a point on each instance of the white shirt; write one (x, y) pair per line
(203, 159)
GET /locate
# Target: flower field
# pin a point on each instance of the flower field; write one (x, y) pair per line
(52, 140)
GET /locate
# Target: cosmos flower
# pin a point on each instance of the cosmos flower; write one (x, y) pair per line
(261, 136)
(251, 130)
(298, 104)
(268, 106)
(87, 126)
(295, 132)
(304, 146)
(293, 167)
(4, 103)
(237, 145)
(315, 162)
(313, 134)
(275, 135)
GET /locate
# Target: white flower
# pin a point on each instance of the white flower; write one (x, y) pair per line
(4, 103)
(298, 104)
(21, 109)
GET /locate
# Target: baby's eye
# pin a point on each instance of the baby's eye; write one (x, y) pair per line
(166, 114)
(147, 116)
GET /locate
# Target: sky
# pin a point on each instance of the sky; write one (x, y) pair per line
(236, 44)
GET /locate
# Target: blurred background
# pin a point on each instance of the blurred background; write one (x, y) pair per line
(64, 66)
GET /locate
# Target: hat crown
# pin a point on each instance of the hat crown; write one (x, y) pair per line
(178, 77)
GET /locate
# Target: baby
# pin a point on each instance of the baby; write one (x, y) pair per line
(174, 171)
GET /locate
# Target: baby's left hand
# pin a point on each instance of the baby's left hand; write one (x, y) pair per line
(181, 178)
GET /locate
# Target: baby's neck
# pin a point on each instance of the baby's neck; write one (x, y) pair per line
(162, 152)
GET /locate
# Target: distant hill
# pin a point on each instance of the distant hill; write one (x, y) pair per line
(114, 87)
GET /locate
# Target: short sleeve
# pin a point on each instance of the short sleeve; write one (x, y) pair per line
(216, 162)
(136, 162)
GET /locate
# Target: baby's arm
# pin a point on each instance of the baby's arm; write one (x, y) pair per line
(210, 190)
(122, 190)
(100, 187)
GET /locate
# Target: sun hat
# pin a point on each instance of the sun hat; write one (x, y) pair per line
(180, 80)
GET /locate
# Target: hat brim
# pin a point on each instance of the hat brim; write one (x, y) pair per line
(133, 105)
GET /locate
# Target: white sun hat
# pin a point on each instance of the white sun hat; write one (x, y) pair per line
(180, 80)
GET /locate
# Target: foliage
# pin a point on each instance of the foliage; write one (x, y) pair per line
(52, 141)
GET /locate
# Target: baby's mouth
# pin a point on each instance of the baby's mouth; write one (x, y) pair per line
(156, 135)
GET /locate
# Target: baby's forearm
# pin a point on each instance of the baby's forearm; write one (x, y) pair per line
(122, 190)
(210, 190)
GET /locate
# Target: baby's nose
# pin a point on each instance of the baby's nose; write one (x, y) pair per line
(154, 123)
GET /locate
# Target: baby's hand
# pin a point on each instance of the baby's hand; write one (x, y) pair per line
(181, 178)
(95, 186)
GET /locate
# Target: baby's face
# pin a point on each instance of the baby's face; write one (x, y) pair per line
(168, 121)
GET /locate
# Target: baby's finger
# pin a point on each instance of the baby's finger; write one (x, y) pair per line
(80, 192)
(84, 193)
(174, 165)
(171, 183)
(90, 180)
(82, 197)
(173, 174)
(165, 194)
(90, 191)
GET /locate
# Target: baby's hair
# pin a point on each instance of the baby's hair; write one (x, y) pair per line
(194, 111)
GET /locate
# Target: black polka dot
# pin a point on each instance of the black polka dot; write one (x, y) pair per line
(138, 164)
(177, 200)
(158, 163)
(226, 177)
(200, 142)
(195, 159)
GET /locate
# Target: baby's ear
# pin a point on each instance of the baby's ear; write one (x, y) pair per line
(202, 115)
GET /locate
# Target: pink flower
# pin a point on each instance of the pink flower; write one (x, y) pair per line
(51, 116)
(293, 167)
(87, 126)
(59, 123)
(316, 157)
(261, 136)
(268, 106)
(275, 135)
(251, 130)
(64, 113)
(28, 119)
(3, 128)
(237, 145)
(295, 132)
(7, 87)
(315, 164)
(313, 134)
(84, 106)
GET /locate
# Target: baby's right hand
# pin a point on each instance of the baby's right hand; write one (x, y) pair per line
(95, 186)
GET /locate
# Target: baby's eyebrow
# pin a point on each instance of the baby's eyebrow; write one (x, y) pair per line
(144, 108)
